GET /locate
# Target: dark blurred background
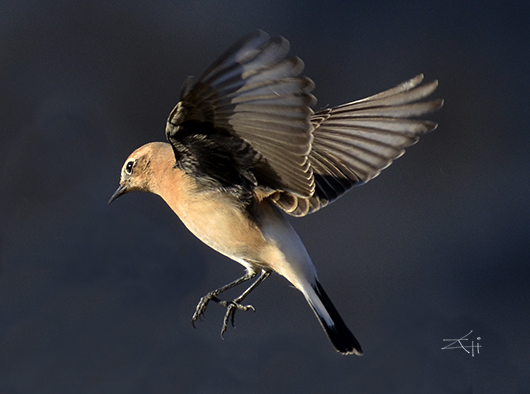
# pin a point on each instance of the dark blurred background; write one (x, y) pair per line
(98, 299)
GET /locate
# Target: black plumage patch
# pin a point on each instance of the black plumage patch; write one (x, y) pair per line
(338, 333)
(215, 157)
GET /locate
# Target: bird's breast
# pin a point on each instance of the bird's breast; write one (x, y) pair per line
(215, 217)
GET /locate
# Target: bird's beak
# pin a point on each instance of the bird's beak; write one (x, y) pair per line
(120, 191)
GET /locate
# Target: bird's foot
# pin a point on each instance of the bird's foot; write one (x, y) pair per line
(231, 308)
(201, 306)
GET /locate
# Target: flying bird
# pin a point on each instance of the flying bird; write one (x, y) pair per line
(244, 148)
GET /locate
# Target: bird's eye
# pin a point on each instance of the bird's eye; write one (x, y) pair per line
(129, 167)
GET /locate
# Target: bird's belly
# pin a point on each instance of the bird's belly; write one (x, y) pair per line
(217, 220)
(261, 240)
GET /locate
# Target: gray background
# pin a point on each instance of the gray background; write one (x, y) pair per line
(98, 299)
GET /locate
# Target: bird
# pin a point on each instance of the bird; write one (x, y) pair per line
(245, 148)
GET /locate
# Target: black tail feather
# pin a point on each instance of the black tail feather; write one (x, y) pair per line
(338, 333)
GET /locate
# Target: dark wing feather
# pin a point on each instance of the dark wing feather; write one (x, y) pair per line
(253, 93)
(354, 142)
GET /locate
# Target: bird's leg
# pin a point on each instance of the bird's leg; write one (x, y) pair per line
(235, 304)
(212, 295)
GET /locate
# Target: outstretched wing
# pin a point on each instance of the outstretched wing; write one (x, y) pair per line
(253, 95)
(354, 142)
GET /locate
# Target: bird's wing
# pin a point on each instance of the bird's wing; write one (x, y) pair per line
(354, 142)
(254, 93)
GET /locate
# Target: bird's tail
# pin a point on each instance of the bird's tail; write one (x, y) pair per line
(339, 335)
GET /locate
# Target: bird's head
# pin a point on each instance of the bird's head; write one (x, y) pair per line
(136, 172)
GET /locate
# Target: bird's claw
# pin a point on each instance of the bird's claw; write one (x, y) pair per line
(200, 309)
(231, 308)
